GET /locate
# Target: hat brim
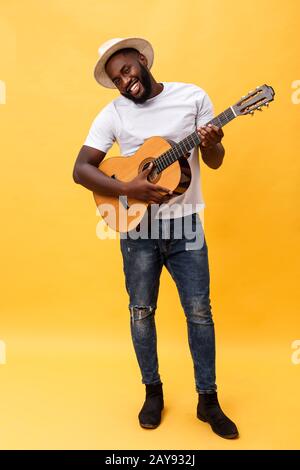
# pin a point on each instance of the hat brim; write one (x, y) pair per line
(141, 45)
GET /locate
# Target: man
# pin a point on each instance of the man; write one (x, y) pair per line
(171, 110)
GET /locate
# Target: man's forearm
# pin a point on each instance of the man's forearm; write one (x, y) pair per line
(95, 180)
(213, 156)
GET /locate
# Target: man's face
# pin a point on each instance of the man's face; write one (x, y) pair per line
(130, 76)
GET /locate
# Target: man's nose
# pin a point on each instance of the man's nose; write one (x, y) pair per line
(126, 81)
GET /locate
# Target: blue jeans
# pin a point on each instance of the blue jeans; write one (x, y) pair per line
(185, 256)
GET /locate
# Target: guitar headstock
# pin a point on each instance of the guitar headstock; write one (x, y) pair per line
(261, 96)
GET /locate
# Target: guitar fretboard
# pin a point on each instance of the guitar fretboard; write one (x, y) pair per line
(189, 142)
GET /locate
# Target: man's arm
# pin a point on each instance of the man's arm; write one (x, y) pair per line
(212, 150)
(87, 174)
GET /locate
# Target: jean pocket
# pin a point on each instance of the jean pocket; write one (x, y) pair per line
(138, 246)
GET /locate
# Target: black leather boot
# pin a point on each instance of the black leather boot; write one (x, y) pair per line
(150, 414)
(209, 410)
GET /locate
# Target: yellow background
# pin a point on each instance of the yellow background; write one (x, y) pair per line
(71, 378)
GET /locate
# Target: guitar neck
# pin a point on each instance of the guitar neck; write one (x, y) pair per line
(181, 148)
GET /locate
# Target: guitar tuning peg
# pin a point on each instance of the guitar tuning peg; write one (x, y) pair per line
(259, 108)
(251, 112)
(251, 91)
(267, 104)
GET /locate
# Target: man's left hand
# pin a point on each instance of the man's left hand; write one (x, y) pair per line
(210, 135)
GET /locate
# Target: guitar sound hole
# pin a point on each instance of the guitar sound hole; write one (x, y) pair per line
(145, 166)
(154, 175)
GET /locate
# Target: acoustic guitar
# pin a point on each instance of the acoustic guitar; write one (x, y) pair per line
(170, 167)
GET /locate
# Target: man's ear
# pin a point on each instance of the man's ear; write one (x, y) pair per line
(143, 59)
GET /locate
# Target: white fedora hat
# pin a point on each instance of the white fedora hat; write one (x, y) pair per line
(107, 49)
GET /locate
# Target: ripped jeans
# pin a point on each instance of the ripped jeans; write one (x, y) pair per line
(186, 260)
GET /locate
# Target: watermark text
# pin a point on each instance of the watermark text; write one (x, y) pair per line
(2, 92)
(2, 352)
(295, 358)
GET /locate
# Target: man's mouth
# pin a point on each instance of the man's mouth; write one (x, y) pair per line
(134, 88)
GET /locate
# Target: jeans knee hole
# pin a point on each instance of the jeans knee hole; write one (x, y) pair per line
(140, 312)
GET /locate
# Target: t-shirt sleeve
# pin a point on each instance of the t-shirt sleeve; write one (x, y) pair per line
(205, 110)
(102, 131)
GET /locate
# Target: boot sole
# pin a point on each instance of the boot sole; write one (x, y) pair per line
(227, 436)
(149, 426)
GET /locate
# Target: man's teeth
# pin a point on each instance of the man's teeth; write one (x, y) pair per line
(134, 87)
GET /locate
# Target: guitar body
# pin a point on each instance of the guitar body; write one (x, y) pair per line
(125, 214)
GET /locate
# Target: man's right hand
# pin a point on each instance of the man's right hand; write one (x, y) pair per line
(140, 188)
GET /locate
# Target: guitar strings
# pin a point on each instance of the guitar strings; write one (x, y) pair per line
(181, 148)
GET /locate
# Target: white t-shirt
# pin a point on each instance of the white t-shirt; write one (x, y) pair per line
(172, 114)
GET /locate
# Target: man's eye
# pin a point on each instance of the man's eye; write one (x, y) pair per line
(116, 82)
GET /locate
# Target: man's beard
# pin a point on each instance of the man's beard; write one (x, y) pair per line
(146, 82)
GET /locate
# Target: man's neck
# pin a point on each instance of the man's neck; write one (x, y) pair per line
(156, 89)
